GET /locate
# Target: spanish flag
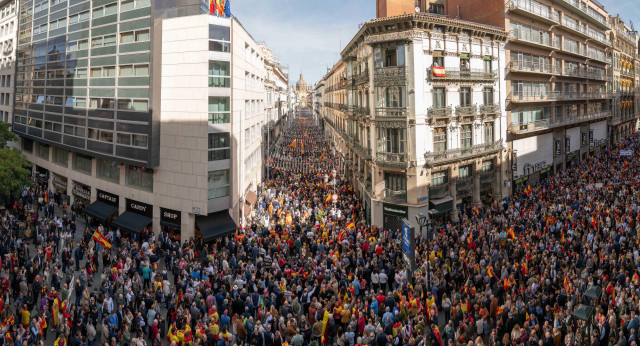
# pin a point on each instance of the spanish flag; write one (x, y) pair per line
(325, 321)
(328, 199)
(98, 237)
(490, 271)
(46, 196)
(351, 225)
(566, 285)
(59, 342)
(294, 143)
(302, 146)
(212, 6)
(476, 210)
(500, 311)
(438, 71)
(528, 318)
(562, 237)
(511, 234)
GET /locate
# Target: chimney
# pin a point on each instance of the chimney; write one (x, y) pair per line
(391, 8)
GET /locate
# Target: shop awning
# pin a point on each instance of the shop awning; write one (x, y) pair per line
(132, 222)
(251, 198)
(487, 58)
(100, 210)
(215, 225)
(438, 53)
(441, 205)
(464, 56)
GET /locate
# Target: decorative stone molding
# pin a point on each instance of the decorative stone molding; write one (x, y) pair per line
(394, 36)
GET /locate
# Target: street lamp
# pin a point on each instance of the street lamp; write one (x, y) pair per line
(425, 221)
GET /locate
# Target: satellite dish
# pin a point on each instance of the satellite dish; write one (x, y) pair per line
(417, 9)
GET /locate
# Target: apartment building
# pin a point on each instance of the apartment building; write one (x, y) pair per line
(8, 29)
(416, 106)
(558, 99)
(148, 113)
(276, 87)
(626, 73)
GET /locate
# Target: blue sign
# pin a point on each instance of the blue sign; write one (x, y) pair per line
(408, 247)
(406, 237)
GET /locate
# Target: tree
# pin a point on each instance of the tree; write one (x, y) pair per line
(15, 173)
(6, 135)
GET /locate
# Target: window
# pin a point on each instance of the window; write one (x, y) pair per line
(106, 136)
(487, 96)
(465, 136)
(219, 144)
(140, 177)
(42, 150)
(133, 105)
(136, 140)
(487, 166)
(439, 178)
(127, 5)
(82, 163)
(392, 140)
(103, 41)
(465, 96)
(103, 103)
(488, 133)
(439, 139)
(219, 74)
(105, 11)
(60, 156)
(390, 97)
(124, 138)
(134, 36)
(395, 182)
(218, 183)
(58, 24)
(108, 170)
(219, 110)
(126, 37)
(80, 17)
(439, 98)
(465, 172)
(80, 73)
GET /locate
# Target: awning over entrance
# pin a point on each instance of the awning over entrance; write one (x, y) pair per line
(100, 210)
(215, 225)
(132, 221)
(251, 198)
(441, 205)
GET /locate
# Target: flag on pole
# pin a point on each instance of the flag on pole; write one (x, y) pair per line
(566, 285)
(490, 271)
(212, 6)
(325, 321)
(328, 199)
(294, 143)
(476, 210)
(351, 225)
(227, 8)
(98, 237)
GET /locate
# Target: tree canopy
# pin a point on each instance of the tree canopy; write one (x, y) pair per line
(6, 135)
(15, 169)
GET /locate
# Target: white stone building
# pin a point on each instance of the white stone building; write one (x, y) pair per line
(8, 29)
(416, 105)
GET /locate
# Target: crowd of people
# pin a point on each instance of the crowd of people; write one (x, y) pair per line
(311, 271)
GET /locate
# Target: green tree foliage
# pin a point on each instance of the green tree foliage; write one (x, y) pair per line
(15, 172)
(6, 135)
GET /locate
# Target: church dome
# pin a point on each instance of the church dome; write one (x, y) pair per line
(301, 85)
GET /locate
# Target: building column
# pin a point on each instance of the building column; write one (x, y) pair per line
(453, 191)
(476, 182)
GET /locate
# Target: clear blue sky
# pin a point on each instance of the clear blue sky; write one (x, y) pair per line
(308, 35)
(304, 34)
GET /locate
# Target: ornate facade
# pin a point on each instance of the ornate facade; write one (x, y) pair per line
(416, 105)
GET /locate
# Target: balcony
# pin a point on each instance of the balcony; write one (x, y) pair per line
(489, 109)
(466, 110)
(574, 28)
(585, 12)
(362, 78)
(530, 9)
(434, 112)
(584, 73)
(460, 154)
(532, 67)
(626, 35)
(391, 112)
(487, 177)
(391, 159)
(457, 74)
(396, 196)
(364, 111)
(544, 124)
(390, 73)
(580, 51)
(464, 184)
(534, 96)
(440, 191)
(365, 153)
(527, 37)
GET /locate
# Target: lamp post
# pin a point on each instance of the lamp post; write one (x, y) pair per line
(426, 222)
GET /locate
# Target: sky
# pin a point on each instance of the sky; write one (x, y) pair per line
(308, 35)
(304, 34)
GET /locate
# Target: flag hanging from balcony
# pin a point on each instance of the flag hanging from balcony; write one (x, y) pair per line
(438, 71)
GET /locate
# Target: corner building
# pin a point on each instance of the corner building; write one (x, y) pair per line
(146, 112)
(416, 106)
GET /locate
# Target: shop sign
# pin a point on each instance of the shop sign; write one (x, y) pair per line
(170, 216)
(60, 183)
(395, 210)
(558, 147)
(529, 168)
(81, 190)
(108, 198)
(140, 208)
(591, 138)
(567, 145)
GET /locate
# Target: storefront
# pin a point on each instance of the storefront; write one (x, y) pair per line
(60, 189)
(171, 223)
(103, 209)
(393, 215)
(136, 218)
(81, 193)
(42, 175)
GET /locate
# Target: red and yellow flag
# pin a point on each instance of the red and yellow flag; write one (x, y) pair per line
(325, 321)
(98, 237)
(328, 199)
(294, 143)
(490, 271)
(476, 210)
(566, 285)
(351, 225)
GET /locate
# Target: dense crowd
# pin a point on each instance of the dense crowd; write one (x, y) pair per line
(310, 271)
